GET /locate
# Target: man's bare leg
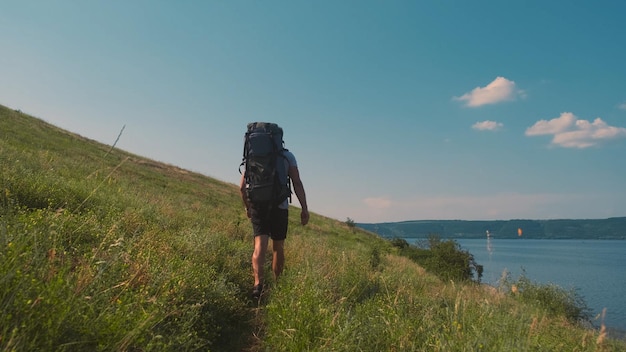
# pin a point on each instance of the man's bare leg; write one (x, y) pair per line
(278, 259)
(258, 257)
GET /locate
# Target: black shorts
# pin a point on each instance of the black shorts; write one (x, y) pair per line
(271, 222)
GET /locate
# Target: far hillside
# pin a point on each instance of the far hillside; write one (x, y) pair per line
(611, 228)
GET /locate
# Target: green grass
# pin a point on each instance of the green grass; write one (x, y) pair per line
(104, 250)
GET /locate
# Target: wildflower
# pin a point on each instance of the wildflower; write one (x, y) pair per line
(602, 335)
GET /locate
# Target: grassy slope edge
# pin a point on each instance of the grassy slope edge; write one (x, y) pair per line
(101, 249)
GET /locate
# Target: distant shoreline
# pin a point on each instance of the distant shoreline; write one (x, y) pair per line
(573, 229)
(471, 237)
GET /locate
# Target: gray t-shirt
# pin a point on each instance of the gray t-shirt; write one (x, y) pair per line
(290, 160)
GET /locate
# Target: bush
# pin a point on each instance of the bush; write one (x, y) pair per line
(399, 243)
(445, 259)
(351, 224)
(555, 300)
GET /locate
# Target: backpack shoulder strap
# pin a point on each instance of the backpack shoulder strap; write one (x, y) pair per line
(245, 149)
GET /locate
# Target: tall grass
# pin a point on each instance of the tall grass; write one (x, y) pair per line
(337, 301)
(114, 253)
(104, 250)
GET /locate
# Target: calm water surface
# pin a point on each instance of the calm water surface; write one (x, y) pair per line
(595, 268)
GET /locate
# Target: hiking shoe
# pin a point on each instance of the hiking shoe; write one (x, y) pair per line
(257, 290)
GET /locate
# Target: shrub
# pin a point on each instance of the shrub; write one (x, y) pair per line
(555, 300)
(399, 243)
(445, 259)
(351, 224)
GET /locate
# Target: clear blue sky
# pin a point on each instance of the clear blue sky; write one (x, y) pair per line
(395, 110)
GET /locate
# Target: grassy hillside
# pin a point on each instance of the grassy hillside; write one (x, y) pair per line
(104, 250)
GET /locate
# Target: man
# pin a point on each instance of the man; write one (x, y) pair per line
(273, 225)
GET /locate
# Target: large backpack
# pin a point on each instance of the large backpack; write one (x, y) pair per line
(266, 177)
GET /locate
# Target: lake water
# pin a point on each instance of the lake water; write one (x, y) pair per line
(595, 268)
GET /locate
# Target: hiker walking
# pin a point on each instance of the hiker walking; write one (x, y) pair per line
(265, 185)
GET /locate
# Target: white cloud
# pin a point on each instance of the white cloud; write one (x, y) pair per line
(491, 206)
(554, 126)
(570, 132)
(377, 202)
(501, 89)
(484, 206)
(487, 126)
(509, 205)
(622, 106)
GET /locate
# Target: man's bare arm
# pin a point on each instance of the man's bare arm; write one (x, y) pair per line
(244, 196)
(298, 189)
